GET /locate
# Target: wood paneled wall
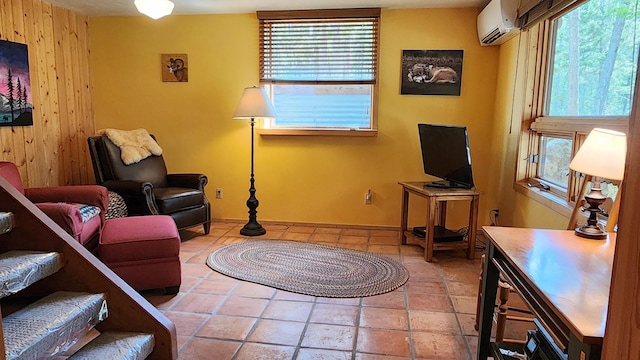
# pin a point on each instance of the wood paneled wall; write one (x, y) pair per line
(54, 150)
(623, 318)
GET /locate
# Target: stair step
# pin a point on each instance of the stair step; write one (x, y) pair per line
(51, 324)
(116, 346)
(7, 221)
(19, 269)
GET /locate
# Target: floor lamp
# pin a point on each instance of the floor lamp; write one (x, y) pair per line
(254, 103)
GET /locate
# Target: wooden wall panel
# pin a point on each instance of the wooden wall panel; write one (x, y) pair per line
(623, 318)
(53, 151)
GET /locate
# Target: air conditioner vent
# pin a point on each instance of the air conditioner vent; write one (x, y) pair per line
(493, 36)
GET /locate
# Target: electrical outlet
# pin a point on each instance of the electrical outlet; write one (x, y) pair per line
(219, 193)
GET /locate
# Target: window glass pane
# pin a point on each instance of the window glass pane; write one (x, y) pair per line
(345, 106)
(594, 60)
(555, 156)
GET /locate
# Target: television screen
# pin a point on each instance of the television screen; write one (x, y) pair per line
(445, 154)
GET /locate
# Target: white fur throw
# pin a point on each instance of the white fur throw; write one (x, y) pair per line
(134, 145)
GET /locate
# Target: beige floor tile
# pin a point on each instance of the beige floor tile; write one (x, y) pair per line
(385, 342)
(380, 318)
(227, 327)
(432, 321)
(248, 289)
(439, 346)
(288, 310)
(277, 332)
(215, 286)
(334, 314)
(199, 303)
(241, 306)
(390, 300)
(324, 336)
(202, 348)
(322, 354)
(251, 351)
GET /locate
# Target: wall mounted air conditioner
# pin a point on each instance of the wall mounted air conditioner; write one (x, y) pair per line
(496, 22)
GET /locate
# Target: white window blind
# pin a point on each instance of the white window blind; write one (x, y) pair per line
(321, 67)
(331, 49)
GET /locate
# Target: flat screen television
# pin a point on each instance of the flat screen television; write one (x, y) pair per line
(445, 154)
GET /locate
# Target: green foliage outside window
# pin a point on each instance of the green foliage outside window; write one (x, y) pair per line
(594, 60)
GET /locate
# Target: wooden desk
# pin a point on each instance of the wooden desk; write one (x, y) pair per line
(564, 278)
(437, 214)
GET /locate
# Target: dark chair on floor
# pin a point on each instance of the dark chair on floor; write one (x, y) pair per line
(148, 189)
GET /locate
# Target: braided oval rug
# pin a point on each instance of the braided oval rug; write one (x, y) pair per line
(310, 269)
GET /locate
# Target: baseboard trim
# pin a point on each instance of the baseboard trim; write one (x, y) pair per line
(295, 223)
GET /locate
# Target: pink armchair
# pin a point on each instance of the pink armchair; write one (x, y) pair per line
(71, 207)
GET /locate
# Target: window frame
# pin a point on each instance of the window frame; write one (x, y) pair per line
(538, 46)
(267, 127)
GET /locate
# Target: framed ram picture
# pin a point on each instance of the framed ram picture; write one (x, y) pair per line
(431, 72)
(175, 67)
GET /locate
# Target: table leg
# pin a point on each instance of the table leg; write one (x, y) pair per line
(473, 227)
(431, 222)
(489, 288)
(404, 215)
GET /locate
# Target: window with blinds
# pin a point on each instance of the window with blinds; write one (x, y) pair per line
(320, 67)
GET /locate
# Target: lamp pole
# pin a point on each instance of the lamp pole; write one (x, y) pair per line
(252, 228)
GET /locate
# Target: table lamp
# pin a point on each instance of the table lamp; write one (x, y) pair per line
(603, 156)
(254, 103)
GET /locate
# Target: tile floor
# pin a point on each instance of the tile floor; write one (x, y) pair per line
(430, 317)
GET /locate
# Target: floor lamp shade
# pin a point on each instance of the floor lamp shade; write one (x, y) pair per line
(602, 155)
(154, 9)
(254, 103)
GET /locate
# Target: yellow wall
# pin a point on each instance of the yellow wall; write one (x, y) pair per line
(515, 208)
(299, 179)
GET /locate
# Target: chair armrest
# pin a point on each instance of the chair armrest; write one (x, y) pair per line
(67, 216)
(127, 187)
(191, 181)
(94, 195)
(131, 189)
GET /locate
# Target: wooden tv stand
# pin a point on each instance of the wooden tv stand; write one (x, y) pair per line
(436, 216)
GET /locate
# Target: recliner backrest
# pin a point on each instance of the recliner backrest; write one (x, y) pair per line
(108, 164)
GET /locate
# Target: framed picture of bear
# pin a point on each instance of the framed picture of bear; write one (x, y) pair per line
(431, 72)
(175, 67)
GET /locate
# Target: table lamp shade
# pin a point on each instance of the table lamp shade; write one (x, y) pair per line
(254, 103)
(602, 154)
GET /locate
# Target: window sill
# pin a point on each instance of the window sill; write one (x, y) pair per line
(317, 132)
(546, 198)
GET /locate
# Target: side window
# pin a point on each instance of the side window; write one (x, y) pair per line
(585, 63)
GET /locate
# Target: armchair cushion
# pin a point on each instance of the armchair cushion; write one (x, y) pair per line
(171, 199)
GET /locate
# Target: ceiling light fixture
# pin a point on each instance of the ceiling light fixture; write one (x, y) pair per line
(154, 9)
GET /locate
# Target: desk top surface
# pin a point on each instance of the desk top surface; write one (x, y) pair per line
(419, 186)
(573, 273)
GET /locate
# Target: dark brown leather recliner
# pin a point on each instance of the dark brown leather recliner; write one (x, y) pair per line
(147, 188)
